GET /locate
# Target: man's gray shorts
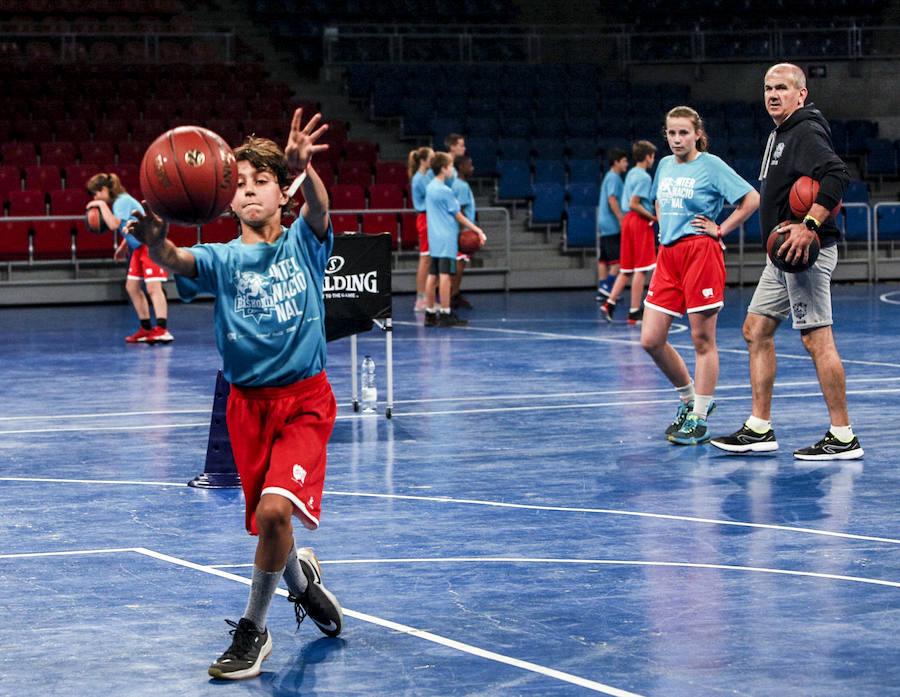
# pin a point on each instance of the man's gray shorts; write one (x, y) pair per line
(805, 296)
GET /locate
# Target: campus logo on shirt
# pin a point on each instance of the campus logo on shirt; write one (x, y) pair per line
(673, 190)
(260, 295)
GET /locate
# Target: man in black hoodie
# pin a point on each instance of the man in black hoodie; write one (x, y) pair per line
(800, 145)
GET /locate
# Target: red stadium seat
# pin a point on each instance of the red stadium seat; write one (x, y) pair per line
(391, 173)
(184, 235)
(131, 153)
(228, 129)
(10, 180)
(33, 130)
(53, 239)
(385, 196)
(72, 130)
(130, 177)
(344, 222)
(60, 153)
(361, 151)
(43, 178)
(377, 223)
(222, 229)
(111, 130)
(27, 203)
(355, 172)
(77, 175)
(69, 201)
(14, 240)
(92, 245)
(147, 130)
(96, 151)
(347, 197)
(20, 155)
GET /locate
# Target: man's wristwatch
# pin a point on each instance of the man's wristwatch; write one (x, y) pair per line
(811, 223)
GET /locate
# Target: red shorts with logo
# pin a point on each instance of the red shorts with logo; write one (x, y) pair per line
(279, 437)
(422, 229)
(143, 268)
(689, 276)
(638, 246)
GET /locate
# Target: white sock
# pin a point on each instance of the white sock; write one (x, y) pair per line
(432, 309)
(758, 425)
(701, 405)
(842, 433)
(445, 310)
(687, 392)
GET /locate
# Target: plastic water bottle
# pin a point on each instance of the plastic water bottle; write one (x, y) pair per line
(367, 380)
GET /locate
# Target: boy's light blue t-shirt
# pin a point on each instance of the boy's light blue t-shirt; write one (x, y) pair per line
(699, 187)
(607, 222)
(637, 183)
(443, 229)
(269, 318)
(466, 198)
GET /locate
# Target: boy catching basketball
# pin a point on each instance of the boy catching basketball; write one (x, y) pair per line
(269, 324)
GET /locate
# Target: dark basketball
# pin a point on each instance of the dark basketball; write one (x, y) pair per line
(95, 222)
(777, 238)
(803, 196)
(469, 241)
(189, 175)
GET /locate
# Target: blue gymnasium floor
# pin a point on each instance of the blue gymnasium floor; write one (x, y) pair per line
(520, 527)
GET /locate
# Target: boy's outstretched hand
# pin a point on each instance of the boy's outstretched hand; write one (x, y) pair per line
(301, 142)
(149, 228)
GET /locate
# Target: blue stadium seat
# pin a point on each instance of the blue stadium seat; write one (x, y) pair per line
(838, 136)
(583, 194)
(515, 127)
(548, 148)
(549, 203)
(881, 157)
(549, 172)
(485, 126)
(441, 127)
(483, 152)
(857, 192)
(581, 148)
(858, 132)
(514, 179)
(584, 171)
(854, 220)
(514, 148)
(581, 226)
(888, 221)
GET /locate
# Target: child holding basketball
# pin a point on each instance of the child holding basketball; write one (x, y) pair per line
(116, 207)
(691, 187)
(269, 325)
(418, 167)
(444, 219)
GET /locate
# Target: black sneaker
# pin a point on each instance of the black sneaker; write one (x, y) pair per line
(248, 650)
(830, 448)
(747, 440)
(431, 319)
(607, 309)
(684, 408)
(636, 316)
(317, 601)
(451, 319)
(459, 302)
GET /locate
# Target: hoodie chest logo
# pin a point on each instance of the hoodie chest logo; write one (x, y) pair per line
(776, 155)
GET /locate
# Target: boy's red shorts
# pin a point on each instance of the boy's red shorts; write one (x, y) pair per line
(279, 437)
(637, 251)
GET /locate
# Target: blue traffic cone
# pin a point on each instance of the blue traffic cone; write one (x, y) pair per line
(220, 471)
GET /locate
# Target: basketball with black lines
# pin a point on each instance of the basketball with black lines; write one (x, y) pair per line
(189, 175)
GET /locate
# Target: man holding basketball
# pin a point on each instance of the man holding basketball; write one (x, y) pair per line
(269, 324)
(800, 145)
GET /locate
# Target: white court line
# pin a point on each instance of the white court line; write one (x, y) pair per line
(596, 562)
(419, 633)
(609, 511)
(780, 384)
(502, 504)
(76, 552)
(886, 298)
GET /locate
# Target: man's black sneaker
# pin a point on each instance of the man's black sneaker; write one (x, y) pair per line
(607, 309)
(431, 319)
(316, 602)
(684, 408)
(451, 319)
(248, 650)
(636, 316)
(830, 448)
(746, 441)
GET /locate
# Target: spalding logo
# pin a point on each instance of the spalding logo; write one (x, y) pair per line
(194, 158)
(335, 264)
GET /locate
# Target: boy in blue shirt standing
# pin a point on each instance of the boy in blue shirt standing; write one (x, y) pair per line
(444, 218)
(609, 223)
(269, 324)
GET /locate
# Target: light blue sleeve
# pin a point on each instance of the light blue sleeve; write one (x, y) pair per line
(122, 208)
(207, 280)
(728, 182)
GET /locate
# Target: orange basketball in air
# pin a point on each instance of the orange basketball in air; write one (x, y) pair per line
(189, 175)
